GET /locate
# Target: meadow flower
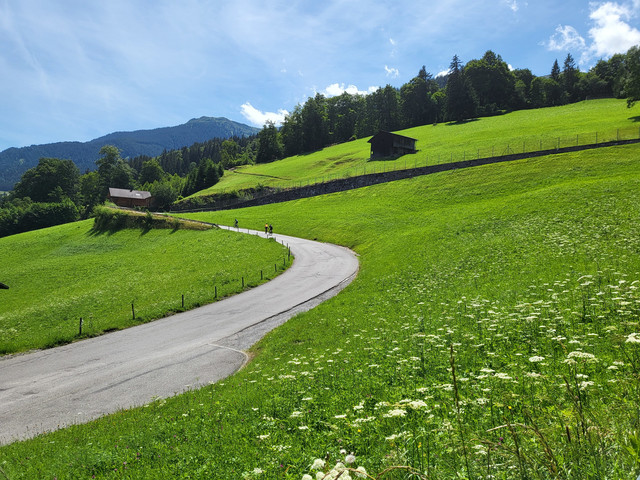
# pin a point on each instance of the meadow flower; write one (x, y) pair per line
(318, 464)
(633, 338)
(295, 414)
(587, 357)
(361, 472)
(396, 412)
(306, 476)
(350, 458)
(536, 359)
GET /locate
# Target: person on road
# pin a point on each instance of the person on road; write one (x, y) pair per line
(266, 228)
(270, 228)
(235, 224)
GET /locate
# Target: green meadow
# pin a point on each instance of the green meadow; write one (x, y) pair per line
(61, 274)
(492, 332)
(587, 122)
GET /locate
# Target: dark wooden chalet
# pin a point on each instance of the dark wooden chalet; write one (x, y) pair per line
(387, 144)
(130, 198)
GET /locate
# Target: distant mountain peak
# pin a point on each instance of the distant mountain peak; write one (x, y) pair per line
(15, 161)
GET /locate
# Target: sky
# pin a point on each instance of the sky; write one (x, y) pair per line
(74, 70)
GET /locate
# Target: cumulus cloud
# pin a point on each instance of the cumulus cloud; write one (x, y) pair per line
(566, 38)
(336, 89)
(611, 33)
(443, 73)
(259, 118)
(391, 72)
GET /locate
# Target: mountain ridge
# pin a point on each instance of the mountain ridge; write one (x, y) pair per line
(14, 161)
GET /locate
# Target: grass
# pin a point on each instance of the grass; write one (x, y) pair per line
(492, 333)
(61, 274)
(592, 121)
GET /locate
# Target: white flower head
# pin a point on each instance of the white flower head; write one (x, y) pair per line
(536, 359)
(586, 357)
(396, 412)
(350, 458)
(633, 338)
(318, 464)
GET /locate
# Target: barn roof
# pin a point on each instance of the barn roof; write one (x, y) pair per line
(125, 193)
(383, 134)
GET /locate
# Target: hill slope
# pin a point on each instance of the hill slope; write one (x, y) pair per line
(523, 277)
(537, 129)
(15, 161)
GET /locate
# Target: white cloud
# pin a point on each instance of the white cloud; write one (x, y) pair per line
(611, 33)
(394, 43)
(566, 38)
(258, 118)
(391, 72)
(512, 4)
(443, 73)
(336, 89)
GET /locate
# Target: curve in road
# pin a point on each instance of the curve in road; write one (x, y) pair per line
(50, 389)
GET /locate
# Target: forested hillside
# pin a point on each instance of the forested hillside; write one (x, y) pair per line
(481, 87)
(15, 161)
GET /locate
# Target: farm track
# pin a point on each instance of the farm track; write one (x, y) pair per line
(50, 389)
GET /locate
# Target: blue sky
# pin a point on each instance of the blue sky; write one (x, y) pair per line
(79, 69)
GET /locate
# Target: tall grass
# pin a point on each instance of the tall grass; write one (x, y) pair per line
(492, 333)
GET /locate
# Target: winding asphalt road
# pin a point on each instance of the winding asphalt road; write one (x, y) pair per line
(50, 389)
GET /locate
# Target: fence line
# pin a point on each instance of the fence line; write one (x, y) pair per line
(85, 323)
(522, 146)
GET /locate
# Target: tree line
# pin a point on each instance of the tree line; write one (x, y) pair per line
(55, 191)
(482, 87)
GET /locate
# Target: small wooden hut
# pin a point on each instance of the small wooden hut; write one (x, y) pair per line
(387, 144)
(130, 198)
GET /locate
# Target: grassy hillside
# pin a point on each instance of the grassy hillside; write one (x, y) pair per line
(491, 333)
(528, 129)
(57, 275)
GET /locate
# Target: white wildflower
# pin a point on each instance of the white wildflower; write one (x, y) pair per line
(633, 338)
(361, 472)
(318, 464)
(350, 458)
(587, 357)
(396, 412)
(536, 359)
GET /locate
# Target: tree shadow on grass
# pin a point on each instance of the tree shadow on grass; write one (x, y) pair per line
(462, 122)
(635, 119)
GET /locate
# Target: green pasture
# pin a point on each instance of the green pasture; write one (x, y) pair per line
(587, 122)
(493, 332)
(61, 274)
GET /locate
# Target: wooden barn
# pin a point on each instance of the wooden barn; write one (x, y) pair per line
(387, 144)
(130, 198)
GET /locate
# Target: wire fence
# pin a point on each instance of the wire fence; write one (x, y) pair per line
(515, 146)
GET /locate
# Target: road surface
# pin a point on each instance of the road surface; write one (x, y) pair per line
(50, 389)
